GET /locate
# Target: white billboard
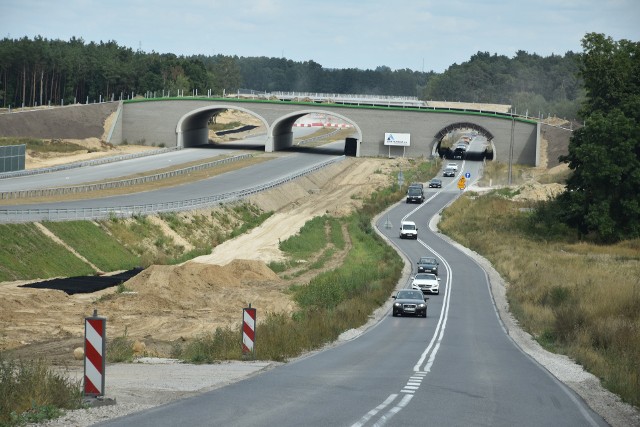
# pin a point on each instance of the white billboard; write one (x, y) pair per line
(398, 139)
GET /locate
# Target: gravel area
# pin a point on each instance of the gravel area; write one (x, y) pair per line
(150, 382)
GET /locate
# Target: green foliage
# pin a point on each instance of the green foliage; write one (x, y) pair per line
(25, 253)
(309, 240)
(223, 344)
(555, 285)
(91, 241)
(31, 392)
(528, 82)
(120, 349)
(250, 216)
(603, 192)
(42, 146)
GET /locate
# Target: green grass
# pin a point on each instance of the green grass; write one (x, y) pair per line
(26, 253)
(574, 297)
(120, 349)
(331, 302)
(42, 146)
(30, 392)
(249, 216)
(311, 239)
(93, 243)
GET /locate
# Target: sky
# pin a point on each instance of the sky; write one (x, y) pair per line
(421, 35)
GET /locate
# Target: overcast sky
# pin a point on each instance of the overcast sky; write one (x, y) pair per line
(416, 34)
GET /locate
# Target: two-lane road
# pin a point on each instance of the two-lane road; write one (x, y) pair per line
(456, 367)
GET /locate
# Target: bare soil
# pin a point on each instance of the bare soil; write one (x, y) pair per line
(173, 303)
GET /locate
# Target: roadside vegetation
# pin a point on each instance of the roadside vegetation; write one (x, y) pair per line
(40, 146)
(333, 301)
(30, 392)
(574, 297)
(119, 243)
(25, 254)
(108, 255)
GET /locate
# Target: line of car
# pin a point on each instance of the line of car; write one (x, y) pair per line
(413, 302)
(426, 281)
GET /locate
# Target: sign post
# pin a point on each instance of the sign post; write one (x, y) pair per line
(95, 333)
(462, 183)
(248, 330)
(397, 139)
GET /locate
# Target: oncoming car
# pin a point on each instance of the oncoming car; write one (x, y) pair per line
(408, 230)
(449, 172)
(435, 183)
(409, 302)
(426, 283)
(453, 166)
(427, 264)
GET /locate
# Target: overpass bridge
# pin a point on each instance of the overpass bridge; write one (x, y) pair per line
(182, 122)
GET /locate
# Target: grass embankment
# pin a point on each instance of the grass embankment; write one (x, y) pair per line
(575, 298)
(117, 243)
(42, 146)
(333, 301)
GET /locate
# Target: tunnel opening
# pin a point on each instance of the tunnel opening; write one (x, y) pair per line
(316, 132)
(463, 142)
(222, 127)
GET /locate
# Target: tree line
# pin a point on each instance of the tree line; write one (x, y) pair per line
(40, 71)
(602, 197)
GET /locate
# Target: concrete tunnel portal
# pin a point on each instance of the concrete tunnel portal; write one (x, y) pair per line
(464, 126)
(192, 129)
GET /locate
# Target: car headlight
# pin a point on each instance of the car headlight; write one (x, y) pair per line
(397, 304)
(422, 305)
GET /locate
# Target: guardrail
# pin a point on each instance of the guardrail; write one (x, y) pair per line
(32, 215)
(86, 188)
(316, 138)
(94, 162)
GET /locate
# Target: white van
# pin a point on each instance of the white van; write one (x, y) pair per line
(408, 230)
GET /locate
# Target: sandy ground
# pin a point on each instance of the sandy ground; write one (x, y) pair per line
(166, 302)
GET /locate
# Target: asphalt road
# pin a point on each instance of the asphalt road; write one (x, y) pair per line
(278, 166)
(457, 367)
(116, 170)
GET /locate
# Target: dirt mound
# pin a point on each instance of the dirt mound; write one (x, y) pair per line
(537, 192)
(163, 303)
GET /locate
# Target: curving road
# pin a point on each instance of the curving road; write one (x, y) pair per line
(457, 367)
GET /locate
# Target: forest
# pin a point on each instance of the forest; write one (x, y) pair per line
(40, 71)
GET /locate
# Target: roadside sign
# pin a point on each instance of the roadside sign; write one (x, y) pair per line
(462, 183)
(467, 175)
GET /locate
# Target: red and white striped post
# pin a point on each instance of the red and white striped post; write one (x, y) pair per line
(248, 330)
(95, 334)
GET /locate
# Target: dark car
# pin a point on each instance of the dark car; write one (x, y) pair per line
(435, 183)
(415, 194)
(427, 264)
(409, 302)
(449, 172)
